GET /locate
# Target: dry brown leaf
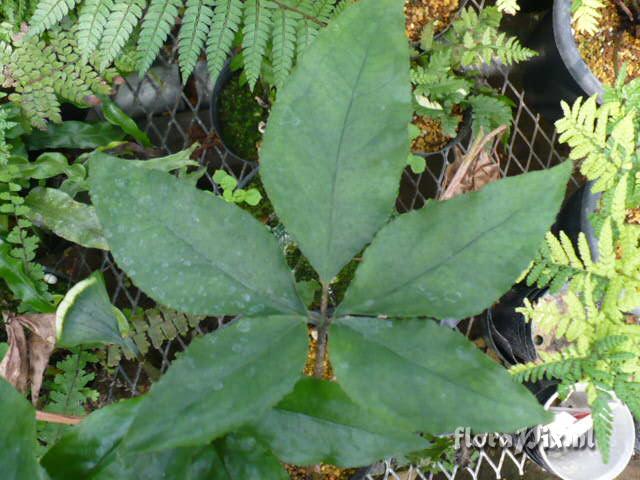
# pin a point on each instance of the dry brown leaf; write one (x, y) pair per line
(471, 172)
(28, 357)
(15, 364)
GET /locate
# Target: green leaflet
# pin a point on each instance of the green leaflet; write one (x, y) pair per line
(186, 248)
(336, 141)
(427, 377)
(454, 258)
(242, 457)
(319, 423)
(223, 380)
(91, 451)
(116, 116)
(74, 221)
(73, 134)
(85, 316)
(17, 436)
(22, 286)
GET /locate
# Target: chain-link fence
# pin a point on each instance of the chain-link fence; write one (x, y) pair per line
(175, 117)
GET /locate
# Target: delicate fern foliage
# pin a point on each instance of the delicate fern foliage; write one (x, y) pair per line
(591, 295)
(193, 33)
(123, 19)
(227, 18)
(601, 138)
(322, 11)
(488, 112)
(153, 327)
(48, 13)
(92, 21)
(510, 7)
(445, 77)
(156, 26)
(602, 421)
(271, 32)
(587, 15)
(284, 44)
(257, 24)
(40, 73)
(68, 394)
(16, 12)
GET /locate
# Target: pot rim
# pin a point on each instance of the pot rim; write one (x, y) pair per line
(568, 49)
(616, 469)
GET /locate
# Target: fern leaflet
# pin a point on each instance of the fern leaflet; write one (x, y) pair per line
(193, 33)
(227, 17)
(123, 19)
(93, 18)
(255, 33)
(284, 44)
(48, 13)
(157, 23)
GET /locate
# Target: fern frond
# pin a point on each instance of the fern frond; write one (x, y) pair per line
(93, 18)
(196, 24)
(117, 32)
(156, 25)
(587, 15)
(152, 328)
(510, 7)
(555, 366)
(227, 17)
(307, 30)
(284, 44)
(48, 13)
(488, 113)
(602, 422)
(257, 25)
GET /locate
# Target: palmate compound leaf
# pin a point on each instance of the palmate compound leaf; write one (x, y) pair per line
(452, 259)
(17, 436)
(186, 248)
(222, 381)
(427, 377)
(319, 423)
(336, 142)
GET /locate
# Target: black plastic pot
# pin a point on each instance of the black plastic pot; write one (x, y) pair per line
(505, 330)
(224, 78)
(559, 72)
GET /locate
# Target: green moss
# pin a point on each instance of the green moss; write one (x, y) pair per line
(240, 115)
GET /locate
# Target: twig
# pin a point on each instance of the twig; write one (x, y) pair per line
(468, 160)
(321, 345)
(57, 418)
(297, 10)
(626, 10)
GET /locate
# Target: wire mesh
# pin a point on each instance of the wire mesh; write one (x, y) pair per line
(175, 117)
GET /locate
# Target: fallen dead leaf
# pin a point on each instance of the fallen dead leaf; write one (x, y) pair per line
(15, 365)
(471, 172)
(28, 355)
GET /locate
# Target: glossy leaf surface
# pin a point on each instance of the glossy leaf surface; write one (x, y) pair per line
(336, 141)
(455, 258)
(319, 423)
(186, 248)
(222, 381)
(427, 377)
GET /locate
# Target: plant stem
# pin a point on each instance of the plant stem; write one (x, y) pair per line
(321, 345)
(57, 418)
(297, 10)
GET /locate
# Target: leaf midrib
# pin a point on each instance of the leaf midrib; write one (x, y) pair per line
(450, 257)
(338, 156)
(457, 386)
